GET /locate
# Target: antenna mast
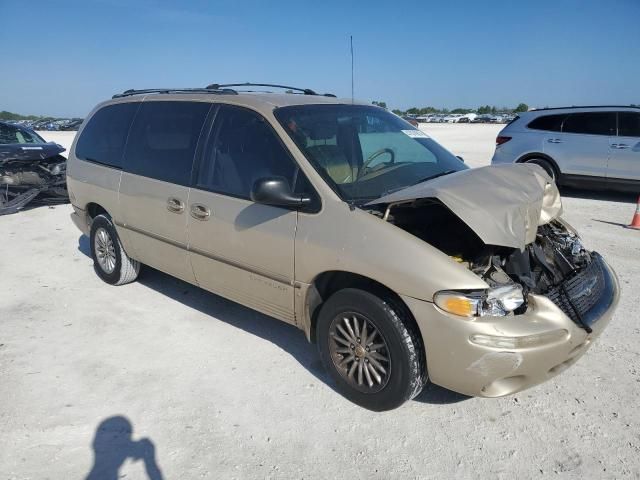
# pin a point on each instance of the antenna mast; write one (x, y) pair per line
(351, 41)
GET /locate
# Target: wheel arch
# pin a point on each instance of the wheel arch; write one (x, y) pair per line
(329, 282)
(543, 156)
(93, 210)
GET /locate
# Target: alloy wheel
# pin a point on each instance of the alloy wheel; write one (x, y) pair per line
(359, 352)
(105, 250)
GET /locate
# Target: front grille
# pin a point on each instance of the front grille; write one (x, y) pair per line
(578, 293)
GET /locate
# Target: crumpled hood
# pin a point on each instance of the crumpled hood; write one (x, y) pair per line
(29, 151)
(502, 204)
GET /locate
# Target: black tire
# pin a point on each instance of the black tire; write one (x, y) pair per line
(406, 374)
(125, 269)
(548, 167)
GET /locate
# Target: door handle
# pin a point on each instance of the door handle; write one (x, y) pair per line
(619, 146)
(175, 205)
(200, 212)
(554, 140)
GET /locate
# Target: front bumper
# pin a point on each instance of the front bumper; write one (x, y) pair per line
(456, 363)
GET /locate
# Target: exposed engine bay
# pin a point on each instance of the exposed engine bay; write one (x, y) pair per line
(555, 264)
(32, 179)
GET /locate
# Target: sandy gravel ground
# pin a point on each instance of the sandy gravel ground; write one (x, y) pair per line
(214, 390)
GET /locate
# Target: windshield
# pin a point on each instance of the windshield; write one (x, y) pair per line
(365, 152)
(12, 135)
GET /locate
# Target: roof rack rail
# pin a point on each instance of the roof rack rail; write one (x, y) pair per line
(215, 91)
(585, 106)
(305, 91)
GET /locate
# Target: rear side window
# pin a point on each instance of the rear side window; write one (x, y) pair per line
(163, 140)
(550, 123)
(104, 137)
(628, 124)
(591, 123)
(244, 149)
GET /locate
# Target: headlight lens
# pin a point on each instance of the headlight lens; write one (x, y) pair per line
(59, 169)
(498, 301)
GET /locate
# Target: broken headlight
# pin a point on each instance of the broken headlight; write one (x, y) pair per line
(497, 301)
(59, 169)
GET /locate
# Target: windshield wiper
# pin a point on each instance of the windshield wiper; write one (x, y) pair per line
(431, 177)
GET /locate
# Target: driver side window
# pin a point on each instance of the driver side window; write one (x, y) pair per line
(244, 148)
(332, 146)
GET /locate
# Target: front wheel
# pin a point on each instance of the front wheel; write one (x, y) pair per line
(371, 348)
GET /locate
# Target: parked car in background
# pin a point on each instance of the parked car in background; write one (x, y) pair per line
(39, 124)
(432, 273)
(481, 119)
(51, 124)
(72, 124)
(411, 120)
(577, 146)
(453, 118)
(440, 118)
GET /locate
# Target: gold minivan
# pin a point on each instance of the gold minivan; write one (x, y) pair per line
(401, 263)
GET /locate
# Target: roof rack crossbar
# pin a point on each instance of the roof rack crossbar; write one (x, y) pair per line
(306, 91)
(215, 91)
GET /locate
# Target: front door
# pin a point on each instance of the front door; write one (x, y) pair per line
(240, 249)
(624, 163)
(154, 188)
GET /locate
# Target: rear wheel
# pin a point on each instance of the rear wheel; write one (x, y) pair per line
(371, 349)
(110, 261)
(548, 167)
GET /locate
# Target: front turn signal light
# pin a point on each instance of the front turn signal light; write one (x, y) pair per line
(458, 303)
(496, 301)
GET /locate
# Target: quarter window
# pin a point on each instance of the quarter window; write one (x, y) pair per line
(163, 140)
(628, 124)
(591, 123)
(244, 149)
(103, 139)
(550, 123)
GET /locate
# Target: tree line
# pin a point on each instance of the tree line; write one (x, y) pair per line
(484, 109)
(4, 115)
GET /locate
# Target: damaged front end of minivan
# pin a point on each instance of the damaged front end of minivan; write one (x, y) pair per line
(504, 225)
(555, 265)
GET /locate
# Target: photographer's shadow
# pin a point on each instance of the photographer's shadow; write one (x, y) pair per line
(112, 446)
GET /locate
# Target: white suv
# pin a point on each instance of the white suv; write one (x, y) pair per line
(578, 146)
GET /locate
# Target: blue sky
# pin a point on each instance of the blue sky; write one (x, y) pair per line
(62, 57)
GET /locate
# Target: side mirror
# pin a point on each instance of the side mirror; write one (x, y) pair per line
(276, 191)
(460, 158)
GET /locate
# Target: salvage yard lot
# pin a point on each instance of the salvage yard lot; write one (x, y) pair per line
(225, 392)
